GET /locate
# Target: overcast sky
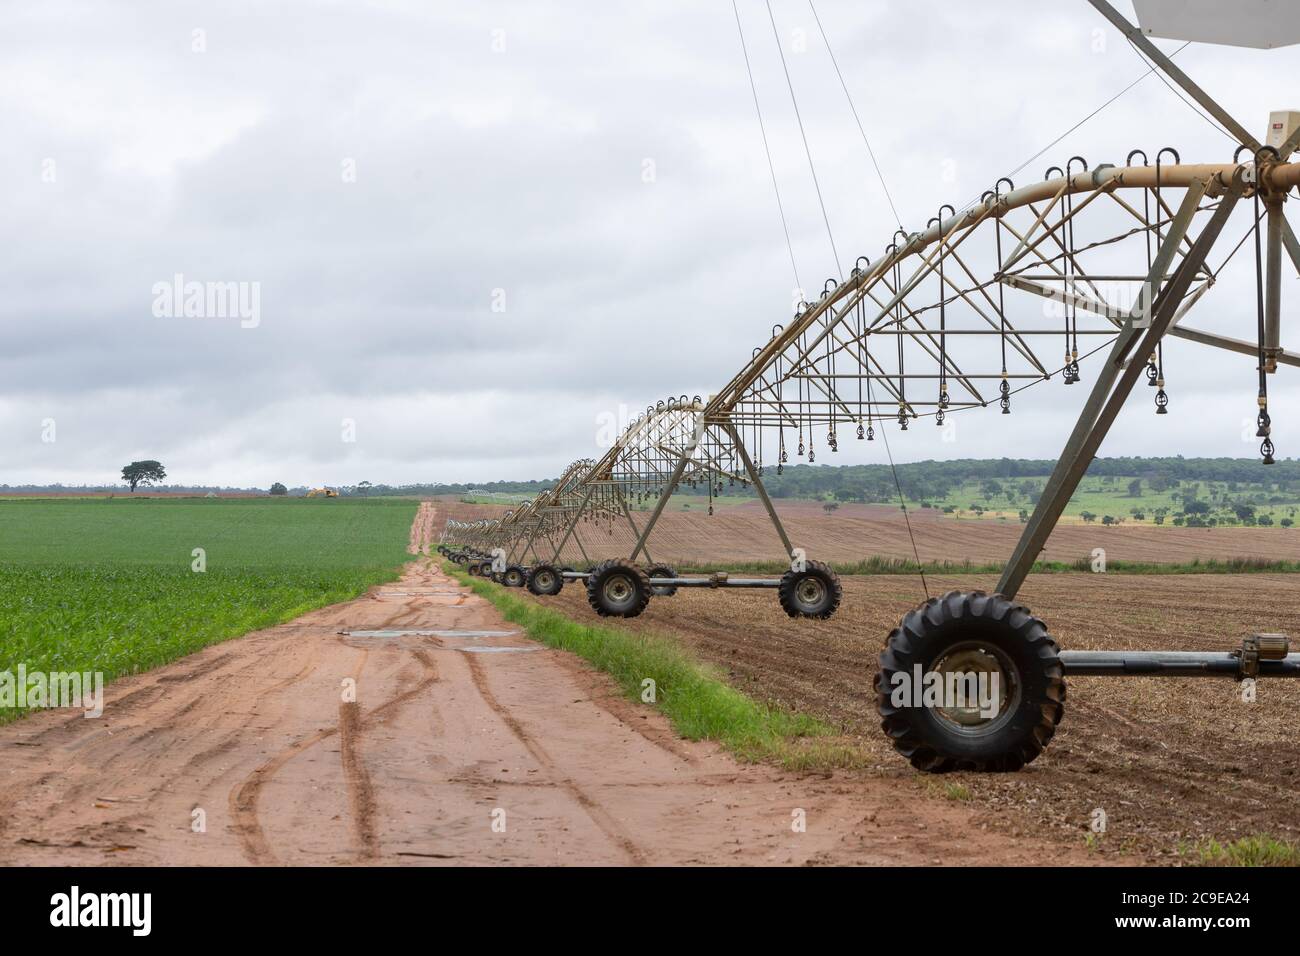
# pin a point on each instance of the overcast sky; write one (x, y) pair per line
(475, 228)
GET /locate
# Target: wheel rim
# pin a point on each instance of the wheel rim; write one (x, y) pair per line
(618, 590)
(984, 661)
(544, 580)
(810, 592)
(512, 577)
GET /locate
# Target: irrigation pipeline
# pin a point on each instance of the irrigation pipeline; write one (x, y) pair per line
(948, 319)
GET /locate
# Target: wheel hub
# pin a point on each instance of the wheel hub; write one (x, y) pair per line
(994, 684)
(618, 590)
(810, 592)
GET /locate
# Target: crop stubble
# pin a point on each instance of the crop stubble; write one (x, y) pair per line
(1169, 761)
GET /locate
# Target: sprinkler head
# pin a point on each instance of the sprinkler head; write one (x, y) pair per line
(1265, 424)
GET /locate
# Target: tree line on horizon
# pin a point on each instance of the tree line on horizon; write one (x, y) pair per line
(930, 479)
(919, 480)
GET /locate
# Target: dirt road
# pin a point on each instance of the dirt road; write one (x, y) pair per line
(415, 726)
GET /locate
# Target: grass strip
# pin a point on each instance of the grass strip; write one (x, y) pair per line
(1259, 850)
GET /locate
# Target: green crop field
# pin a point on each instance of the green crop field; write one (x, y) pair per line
(1129, 500)
(108, 584)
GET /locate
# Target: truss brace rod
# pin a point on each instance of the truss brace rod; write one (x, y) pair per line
(1081, 301)
(663, 499)
(758, 486)
(1076, 456)
(523, 555)
(630, 520)
(574, 524)
(1138, 39)
(1283, 357)
(1292, 244)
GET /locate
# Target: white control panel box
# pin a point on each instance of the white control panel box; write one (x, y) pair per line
(1281, 124)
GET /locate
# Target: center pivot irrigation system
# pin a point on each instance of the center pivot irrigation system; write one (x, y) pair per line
(1022, 287)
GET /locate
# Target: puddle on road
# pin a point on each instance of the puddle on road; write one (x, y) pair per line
(427, 632)
(498, 650)
(394, 633)
(386, 593)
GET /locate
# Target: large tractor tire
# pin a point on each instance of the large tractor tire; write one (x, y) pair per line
(473, 569)
(662, 571)
(618, 588)
(545, 580)
(813, 592)
(514, 576)
(971, 633)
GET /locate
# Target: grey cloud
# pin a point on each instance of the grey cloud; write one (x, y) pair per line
(521, 171)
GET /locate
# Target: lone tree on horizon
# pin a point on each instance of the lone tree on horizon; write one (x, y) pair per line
(143, 473)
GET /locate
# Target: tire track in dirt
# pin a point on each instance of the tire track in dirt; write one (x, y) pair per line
(361, 793)
(598, 814)
(148, 755)
(628, 714)
(245, 796)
